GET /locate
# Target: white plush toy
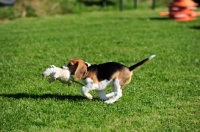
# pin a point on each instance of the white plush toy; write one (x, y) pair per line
(56, 73)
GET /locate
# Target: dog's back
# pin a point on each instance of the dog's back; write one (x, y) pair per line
(106, 70)
(112, 70)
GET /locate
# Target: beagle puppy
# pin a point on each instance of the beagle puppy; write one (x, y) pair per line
(98, 76)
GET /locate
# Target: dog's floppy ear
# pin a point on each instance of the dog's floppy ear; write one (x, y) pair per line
(80, 70)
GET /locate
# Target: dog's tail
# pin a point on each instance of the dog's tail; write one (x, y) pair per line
(131, 68)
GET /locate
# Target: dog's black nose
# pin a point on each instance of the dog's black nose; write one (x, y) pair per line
(61, 67)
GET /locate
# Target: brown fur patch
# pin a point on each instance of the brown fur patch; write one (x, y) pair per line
(93, 76)
(124, 76)
(78, 68)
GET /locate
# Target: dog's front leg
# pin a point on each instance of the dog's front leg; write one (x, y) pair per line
(102, 94)
(87, 88)
(85, 91)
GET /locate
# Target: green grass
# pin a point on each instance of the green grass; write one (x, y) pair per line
(164, 94)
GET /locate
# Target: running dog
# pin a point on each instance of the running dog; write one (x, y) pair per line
(98, 76)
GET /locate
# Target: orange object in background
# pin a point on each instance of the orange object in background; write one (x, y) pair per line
(182, 10)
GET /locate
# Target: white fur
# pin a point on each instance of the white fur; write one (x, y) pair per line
(117, 92)
(63, 75)
(88, 64)
(99, 88)
(150, 57)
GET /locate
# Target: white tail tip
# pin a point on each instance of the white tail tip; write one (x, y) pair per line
(150, 57)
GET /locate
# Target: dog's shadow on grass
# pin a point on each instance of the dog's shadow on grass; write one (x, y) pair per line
(55, 96)
(195, 27)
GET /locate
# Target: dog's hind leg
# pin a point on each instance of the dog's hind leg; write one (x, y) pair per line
(117, 92)
(111, 94)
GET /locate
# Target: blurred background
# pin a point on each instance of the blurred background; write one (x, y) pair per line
(11, 9)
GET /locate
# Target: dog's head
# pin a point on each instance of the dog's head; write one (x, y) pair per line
(50, 70)
(77, 67)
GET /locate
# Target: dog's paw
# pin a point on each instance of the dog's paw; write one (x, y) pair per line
(86, 93)
(110, 101)
(110, 95)
(89, 96)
